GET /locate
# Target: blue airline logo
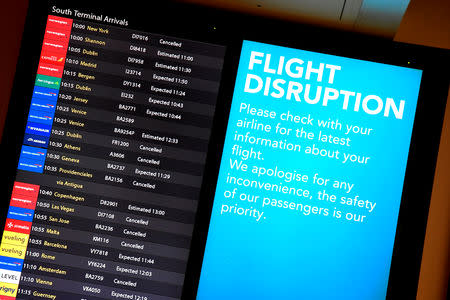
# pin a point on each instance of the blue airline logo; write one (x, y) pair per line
(10, 263)
(36, 140)
(45, 93)
(22, 214)
(32, 159)
(43, 105)
(33, 153)
(38, 129)
(39, 116)
(30, 165)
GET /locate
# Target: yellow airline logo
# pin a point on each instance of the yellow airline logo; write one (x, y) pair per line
(13, 251)
(8, 289)
(15, 238)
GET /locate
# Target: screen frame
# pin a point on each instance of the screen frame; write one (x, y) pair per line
(214, 26)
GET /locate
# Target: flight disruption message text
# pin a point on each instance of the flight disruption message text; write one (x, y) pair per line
(311, 177)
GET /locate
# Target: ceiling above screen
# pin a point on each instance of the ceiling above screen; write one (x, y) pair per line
(379, 17)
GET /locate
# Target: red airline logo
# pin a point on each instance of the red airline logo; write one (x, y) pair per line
(18, 226)
(24, 195)
(54, 46)
(23, 202)
(50, 70)
(26, 189)
(56, 35)
(59, 24)
(52, 58)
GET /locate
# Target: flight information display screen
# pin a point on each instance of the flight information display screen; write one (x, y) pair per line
(311, 177)
(108, 180)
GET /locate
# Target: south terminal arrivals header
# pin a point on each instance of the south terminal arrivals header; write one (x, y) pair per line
(90, 16)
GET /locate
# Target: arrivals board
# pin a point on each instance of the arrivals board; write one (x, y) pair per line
(112, 160)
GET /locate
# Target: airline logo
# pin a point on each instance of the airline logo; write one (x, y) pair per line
(26, 190)
(32, 159)
(43, 117)
(50, 70)
(37, 154)
(38, 129)
(36, 140)
(59, 23)
(43, 105)
(8, 289)
(50, 95)
(22, 201)
(13, 251)
(19, 213)
(31, 166)
(15, 238)
(48, 81)
(18, 226)
(54, 46)
(52, 58)
(8, 276)
(11, 263)
(55, 34)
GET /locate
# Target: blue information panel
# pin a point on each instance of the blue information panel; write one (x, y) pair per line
(311, 177)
